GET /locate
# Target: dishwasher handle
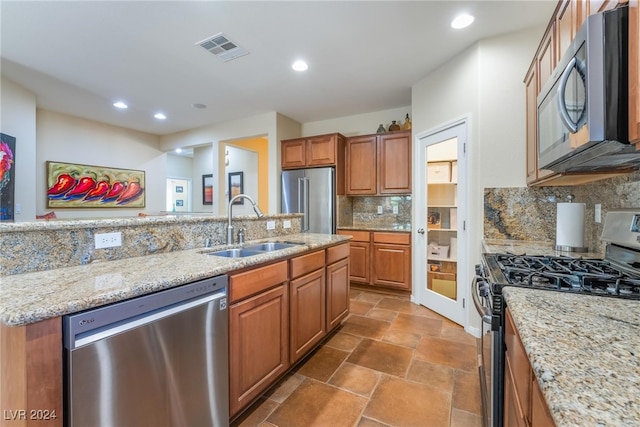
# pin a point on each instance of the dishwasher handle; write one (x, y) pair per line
(90, 337)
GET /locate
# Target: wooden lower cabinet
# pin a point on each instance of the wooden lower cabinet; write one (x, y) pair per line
(337, 275)
(391, 266)
(258, 345)
(31, 371)
(380, 258)
(308, 311)
(524, 404)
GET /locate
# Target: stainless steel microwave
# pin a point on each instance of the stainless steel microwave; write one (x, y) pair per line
(583, 107)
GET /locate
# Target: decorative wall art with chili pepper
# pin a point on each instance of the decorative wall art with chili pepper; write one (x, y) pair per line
(71, 185)
(7, 176)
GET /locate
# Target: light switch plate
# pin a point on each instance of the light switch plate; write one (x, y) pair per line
(395, 209)
(271, 225)
(286, 223)
(379, 209)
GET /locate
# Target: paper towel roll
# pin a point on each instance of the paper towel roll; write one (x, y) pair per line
(570, 227)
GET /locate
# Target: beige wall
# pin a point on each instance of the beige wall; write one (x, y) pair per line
(70, 139)
(358, 124)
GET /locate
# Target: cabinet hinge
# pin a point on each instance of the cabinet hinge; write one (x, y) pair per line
(464, 147)
(464, 225)
(463, 301)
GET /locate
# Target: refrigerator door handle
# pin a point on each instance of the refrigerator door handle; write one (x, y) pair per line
(306, 203)
(303, 202)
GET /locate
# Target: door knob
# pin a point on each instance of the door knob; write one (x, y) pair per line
(421, 230)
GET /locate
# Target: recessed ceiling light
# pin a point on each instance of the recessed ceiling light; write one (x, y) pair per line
(199, 106)
(462, 21)
(300, 66)
(120, 105)
(159, 116)
(178, 150)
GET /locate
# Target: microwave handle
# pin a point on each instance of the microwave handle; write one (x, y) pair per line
(562, 107)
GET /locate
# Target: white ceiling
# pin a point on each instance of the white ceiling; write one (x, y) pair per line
(78, 57)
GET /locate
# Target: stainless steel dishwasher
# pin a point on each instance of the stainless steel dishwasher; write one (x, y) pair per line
(156, 360)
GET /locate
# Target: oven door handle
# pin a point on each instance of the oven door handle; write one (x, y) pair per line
(483, 311)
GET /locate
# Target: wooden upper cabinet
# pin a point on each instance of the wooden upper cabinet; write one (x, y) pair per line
(566, 26)
(294, 153)
(394, 163)
(634, 72)
(546, 57)
(361, 165)
(379, 164)
(531, 84)
(321, 150)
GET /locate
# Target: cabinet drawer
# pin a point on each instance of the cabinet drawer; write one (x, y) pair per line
(307, 263)
(438, 172)
(336, 253)
(393, 238)
(356, 236)
(253, 281)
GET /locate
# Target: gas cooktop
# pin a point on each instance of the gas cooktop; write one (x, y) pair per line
(617, 275)
(560, 273)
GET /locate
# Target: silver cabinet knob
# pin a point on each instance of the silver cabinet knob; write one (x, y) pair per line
(421, 230)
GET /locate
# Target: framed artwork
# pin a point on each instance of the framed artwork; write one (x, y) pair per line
(207, 189)
(236, 186)
(179, 189)
(180, 203)
(7, 176)
(72, 185)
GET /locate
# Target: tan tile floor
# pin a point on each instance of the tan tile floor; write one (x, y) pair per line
(392, 363)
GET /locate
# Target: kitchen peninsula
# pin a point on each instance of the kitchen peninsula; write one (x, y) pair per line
(34, 301)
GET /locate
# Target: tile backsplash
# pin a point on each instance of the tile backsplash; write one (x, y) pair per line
(529, 213)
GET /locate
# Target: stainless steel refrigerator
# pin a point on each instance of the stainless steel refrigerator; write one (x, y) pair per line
(313, 193)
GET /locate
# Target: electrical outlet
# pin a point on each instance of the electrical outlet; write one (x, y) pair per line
(395, 209)
(379, 209)
(18, 208)
(286, 223)
(271, 225)
(108, 240)
(598, 213)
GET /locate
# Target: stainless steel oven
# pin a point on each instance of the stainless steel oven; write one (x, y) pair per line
(490, 351)
(617, 276)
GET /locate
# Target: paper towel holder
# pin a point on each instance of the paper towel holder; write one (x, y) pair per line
(566, 246)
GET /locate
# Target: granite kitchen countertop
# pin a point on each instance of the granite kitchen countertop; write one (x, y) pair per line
(32, 297)
(585, 351)
(530, 247)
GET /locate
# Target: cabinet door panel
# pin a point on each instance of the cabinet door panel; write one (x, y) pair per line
(258, 345)
(518, 361)
(359, 256)
(546, 58)
(321, 150)
(394, 163)
(540, 414)
(514, 415)
(391, 265)
(337, 293)
(531, 84)
(293, 153)
(566, 21)
(308, 314)
(634, 72)
(361, 165)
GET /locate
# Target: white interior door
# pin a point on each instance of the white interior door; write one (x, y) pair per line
(440, 236)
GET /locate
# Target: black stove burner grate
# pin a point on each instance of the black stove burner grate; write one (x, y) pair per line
(582, 275)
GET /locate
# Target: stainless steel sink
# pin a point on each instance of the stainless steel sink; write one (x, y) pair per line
(236, 253)
(270, 246)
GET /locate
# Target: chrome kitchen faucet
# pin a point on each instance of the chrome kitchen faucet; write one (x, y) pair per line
(256, 209)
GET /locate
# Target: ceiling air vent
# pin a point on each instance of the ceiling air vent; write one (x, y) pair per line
(222, 47)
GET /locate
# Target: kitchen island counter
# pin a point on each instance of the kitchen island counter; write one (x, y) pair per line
(32, 297)
(585, 353)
